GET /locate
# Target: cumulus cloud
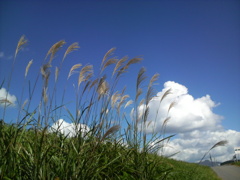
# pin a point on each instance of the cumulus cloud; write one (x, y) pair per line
(6, 98)
(69, 129)
(192, 146)
(186, 115)
(197, 127)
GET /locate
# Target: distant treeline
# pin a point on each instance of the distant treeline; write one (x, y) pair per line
(227, 162)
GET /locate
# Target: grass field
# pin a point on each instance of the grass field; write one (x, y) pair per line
(30, 149)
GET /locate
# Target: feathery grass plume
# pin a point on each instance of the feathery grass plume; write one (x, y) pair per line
(166, 121)
(115, 97)
(220, 143)
(94, 83)
(139, 92)
(134, 61)
(109, 53)
(101, 80)
(130, 62)
(166, 94)
(141, 77)
(128, 103)
(45, 73)
(121, 71)
(108, 63)
(83, 75)
(45, 70)
(103, 88)
(171, 105)
(150, 94)
(122, 101)
(27, 68)
(153, 79)
(56, 73)
(111, 131)
(71, 48)
(74, 67)
(88, 82)
(157, 144)
(20, 44)
(145, 113)
(88, 76)
(87, 85)
(119, 64)
(54, 49)
(124, 98)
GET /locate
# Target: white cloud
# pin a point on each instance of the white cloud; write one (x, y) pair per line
(188, 114)
(7, 98)
(69, 129)
(192, 146)
(197, 127)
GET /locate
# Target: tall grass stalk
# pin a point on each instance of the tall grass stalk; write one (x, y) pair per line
(23, 41)
(112, 147)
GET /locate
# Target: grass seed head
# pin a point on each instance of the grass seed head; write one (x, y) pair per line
(119, 64)
(84, 74)
(27, 68)
(108, 63)
(111, 131)
(106, 56)
(54, 49)
(220, 143)
(72, 70)
(23, 41)
(71, 48)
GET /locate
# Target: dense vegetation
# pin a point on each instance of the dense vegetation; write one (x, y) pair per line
(33, 154)
(30, 149)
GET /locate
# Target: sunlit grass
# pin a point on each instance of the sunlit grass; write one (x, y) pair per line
(114, 147)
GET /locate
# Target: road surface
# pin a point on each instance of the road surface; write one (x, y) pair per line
(228, 172)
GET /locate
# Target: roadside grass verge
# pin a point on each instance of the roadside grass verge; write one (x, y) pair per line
(236, 163)
(189, 171)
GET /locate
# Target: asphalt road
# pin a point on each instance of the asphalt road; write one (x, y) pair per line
(228, 172)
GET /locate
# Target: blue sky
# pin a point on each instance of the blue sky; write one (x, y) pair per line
(193, 43)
